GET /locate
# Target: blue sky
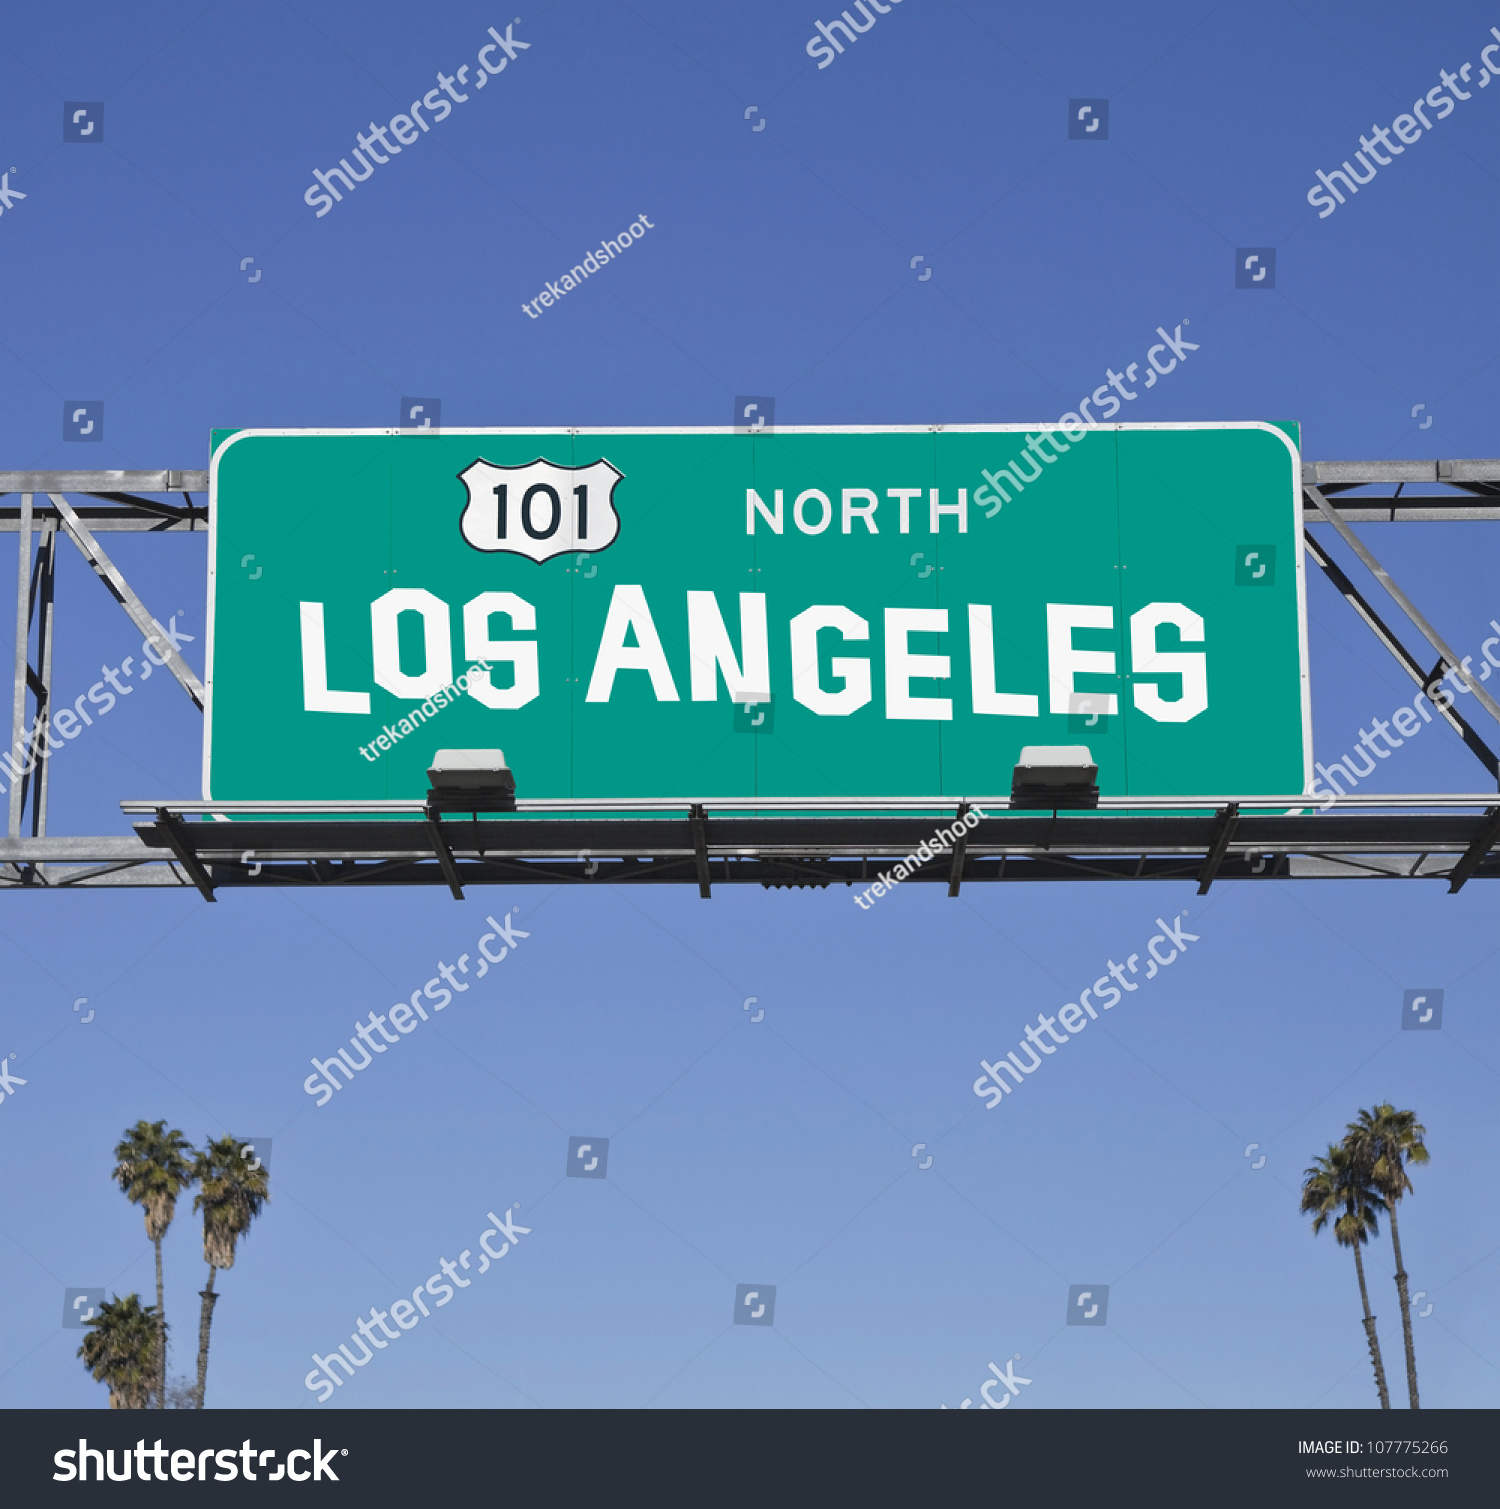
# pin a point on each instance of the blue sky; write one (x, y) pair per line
(775, 1151)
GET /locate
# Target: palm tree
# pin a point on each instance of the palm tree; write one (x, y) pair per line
(231, 1193)
(1334, 1184)
(1384, 1141)
(121, 1350)
(150, 1167)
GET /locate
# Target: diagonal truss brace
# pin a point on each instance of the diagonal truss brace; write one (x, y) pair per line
(700, 850)
(960, 850)
(90, 549)
(1406, 605)
(444, 853)
(1474, 856)
(1408, 662)
(1229, 820)
(172, 829)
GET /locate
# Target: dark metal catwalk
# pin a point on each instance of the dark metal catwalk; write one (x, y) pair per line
(1450, 839)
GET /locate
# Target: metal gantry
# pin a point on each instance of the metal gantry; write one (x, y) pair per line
(707, 841)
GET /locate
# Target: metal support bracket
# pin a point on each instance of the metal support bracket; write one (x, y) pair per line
(90, 549)
(700, 849)
(1484, 841)
(443, 852)
(956, 874)
(1406, 605)
(171, 827)
(1229, 820)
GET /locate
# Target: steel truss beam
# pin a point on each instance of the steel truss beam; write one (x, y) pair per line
(1428, 681)
(1451, 837)
(119, 510)
(121, 590)
(1479, 479)
(1475, 490)
(129, 512)
(1358, 546)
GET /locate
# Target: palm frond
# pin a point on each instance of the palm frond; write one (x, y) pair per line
(231, 1194)
(120, 1350)
(1338, 1189)
(153, 1166)
(1384, 1141)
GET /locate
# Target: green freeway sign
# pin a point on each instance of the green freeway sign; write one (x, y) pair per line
(801, 613)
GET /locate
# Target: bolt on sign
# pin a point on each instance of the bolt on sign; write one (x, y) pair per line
(705, 613)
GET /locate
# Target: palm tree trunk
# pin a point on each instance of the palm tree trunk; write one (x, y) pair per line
(1411, 1355)
(161, 1335)
(205, 1320)
(1370, 1336)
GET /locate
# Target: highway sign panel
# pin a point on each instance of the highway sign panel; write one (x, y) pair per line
(782, 613)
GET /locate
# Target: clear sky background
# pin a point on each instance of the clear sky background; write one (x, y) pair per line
(776, 1151)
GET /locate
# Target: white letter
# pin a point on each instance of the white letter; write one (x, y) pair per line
(384, 613)
(1064, 662)
(982, 670)
(854, 672)
(520, 652)
(961, 508)
(901, 665)
(1191, 665)
(316, 698)
(753, 500)
(801, 522)
(628, 610)
(709, 649)
(866, 511)
(905, 494)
